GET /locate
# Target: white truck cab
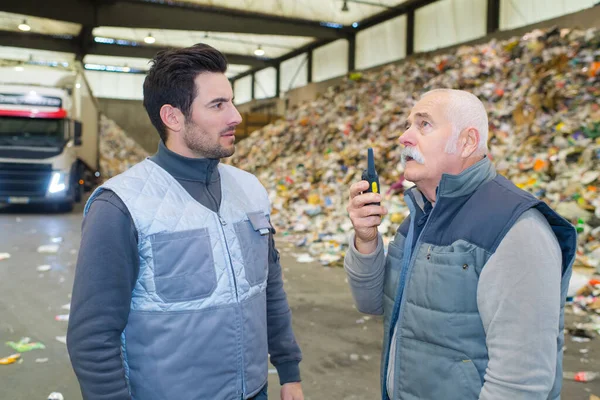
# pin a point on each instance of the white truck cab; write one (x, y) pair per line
(48, 136)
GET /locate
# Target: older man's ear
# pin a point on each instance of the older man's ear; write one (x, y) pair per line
(469, 142)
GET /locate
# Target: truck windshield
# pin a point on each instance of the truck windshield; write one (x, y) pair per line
(37, 132)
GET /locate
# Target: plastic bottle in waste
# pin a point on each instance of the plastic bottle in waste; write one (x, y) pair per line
(580, 226)
(582, 376)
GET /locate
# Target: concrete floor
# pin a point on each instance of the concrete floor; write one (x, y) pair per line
(341, 347)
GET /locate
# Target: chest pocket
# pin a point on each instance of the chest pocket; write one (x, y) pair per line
(254, 234)
(451, 272)
(183, 265)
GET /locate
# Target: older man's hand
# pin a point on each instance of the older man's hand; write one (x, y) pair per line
(292, 391)
(365, 218)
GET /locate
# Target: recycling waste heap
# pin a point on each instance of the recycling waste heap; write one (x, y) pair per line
(542, 93)
(118, 152)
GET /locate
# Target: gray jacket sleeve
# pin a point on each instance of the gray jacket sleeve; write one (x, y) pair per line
(283, 349)
(365, 276)
(518, 297)
(107, 268)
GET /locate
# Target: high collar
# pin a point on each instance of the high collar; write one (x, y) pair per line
(468, 180)
(461, 184)
(185, 168)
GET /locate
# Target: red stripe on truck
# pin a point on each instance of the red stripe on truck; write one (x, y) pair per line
(61, 113)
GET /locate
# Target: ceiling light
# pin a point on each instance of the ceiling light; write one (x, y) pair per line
(126, 69)
(19, 69)
(259, 51)
(24, 26)
(345, 6)
(149, 39)
(99, 39)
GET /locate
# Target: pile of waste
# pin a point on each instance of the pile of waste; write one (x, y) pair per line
(118, 152)
(542, 94)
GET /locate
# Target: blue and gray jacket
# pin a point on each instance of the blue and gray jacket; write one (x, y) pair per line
(434, 338)
(197, 322)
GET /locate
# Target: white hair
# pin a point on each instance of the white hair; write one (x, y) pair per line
(413, 153)
(465, 110)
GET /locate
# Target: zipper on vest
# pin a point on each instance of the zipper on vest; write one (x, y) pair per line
(223, 223)
(398, 312)
(237, 299)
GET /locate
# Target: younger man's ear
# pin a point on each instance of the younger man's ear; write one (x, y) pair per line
(172, 117)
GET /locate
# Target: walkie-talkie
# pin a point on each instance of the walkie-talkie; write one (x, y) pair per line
(370, 175)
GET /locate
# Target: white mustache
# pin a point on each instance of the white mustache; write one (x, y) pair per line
(413, 153)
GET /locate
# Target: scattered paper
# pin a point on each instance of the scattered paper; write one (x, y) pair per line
(49, 248)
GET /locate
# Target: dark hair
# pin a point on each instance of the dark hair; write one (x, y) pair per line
(171, 79)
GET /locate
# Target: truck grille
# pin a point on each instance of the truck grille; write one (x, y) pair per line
(28, 180)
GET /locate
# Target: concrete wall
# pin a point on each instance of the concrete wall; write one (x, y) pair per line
(264, 106)
(132, 117)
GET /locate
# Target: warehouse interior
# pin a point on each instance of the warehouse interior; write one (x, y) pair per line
(316, 82)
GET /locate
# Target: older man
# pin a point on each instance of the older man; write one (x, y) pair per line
(473, 286)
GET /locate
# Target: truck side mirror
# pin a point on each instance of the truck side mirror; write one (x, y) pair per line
(77, 133)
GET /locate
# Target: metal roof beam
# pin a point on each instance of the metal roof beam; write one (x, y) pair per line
(38, 42)
(401, 9)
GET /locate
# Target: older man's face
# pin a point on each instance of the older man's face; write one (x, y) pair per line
(428, 130)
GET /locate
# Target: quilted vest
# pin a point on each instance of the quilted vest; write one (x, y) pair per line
(197, 328)
(430, 290)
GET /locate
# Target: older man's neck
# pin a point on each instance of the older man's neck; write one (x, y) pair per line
(429, 191)
(429, 188)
